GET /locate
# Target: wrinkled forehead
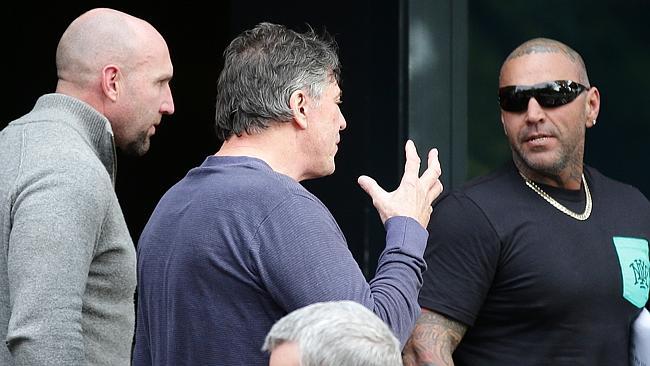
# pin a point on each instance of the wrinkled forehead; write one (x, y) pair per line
(536, 68)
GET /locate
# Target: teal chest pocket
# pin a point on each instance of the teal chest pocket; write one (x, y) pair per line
(635, 266)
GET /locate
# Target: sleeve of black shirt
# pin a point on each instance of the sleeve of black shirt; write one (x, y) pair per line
(462, 256)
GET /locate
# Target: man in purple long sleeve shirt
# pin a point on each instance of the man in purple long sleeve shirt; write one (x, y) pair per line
(238, 243)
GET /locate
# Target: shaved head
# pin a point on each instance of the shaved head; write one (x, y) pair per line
(119, 65)
(546, 45)
(99, 37)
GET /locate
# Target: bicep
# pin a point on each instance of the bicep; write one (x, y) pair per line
(433, 340)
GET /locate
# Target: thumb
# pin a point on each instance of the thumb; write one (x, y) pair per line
(369, 185)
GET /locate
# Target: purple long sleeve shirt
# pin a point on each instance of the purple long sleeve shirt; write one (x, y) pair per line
(234, 246)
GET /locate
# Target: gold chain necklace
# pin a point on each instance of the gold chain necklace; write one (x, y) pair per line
(583, 216)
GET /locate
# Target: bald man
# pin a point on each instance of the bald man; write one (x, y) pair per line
(545, 261)
(67, 262)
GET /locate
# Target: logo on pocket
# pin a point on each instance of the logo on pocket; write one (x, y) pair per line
(635, 268)
(641, 274)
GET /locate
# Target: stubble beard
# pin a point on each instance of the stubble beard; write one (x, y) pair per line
(567, 157)
(140, 145)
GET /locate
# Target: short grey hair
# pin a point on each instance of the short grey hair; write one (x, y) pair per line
(263, 66)
(336, 333)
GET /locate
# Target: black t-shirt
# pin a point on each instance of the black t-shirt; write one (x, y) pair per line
(535, 286)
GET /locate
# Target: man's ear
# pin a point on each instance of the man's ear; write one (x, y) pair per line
(592, 106)
(297, 103)
(111, 81)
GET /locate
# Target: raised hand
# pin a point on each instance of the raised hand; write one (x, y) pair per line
(415, 193)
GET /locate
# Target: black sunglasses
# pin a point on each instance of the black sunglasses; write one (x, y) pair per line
(514, 98)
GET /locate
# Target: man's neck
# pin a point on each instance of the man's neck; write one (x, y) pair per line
(570, 179)
(272, 145)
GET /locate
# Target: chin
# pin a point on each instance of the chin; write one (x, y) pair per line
(138, 147)
(539, 160)
(548, 166)
(331, 168)
(324, 172)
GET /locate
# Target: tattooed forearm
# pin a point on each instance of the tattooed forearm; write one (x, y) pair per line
(433, 341)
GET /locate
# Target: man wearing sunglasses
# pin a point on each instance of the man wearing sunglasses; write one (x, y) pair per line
(545, 261)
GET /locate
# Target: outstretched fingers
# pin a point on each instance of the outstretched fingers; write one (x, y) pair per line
(430, 179)
(378, 195)
(431, 175)
(415, 193)
(370, 186)
(412, 166)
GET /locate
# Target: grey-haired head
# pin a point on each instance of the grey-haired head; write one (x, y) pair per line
(263, 66)
(336, 333)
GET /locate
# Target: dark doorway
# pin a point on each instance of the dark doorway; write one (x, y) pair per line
(367, 34)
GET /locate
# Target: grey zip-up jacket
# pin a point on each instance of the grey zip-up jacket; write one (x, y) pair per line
(67, 261)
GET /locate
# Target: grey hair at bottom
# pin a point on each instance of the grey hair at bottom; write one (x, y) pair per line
(336, 333)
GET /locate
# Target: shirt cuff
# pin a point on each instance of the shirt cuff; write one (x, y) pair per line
(406, 234)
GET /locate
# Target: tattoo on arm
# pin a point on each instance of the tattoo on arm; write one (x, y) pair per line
(434, 339)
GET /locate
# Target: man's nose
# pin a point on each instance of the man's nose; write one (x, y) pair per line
(535, 112)
(167, 106)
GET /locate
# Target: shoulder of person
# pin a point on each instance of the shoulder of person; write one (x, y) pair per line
(604, 184)
(497, 183)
